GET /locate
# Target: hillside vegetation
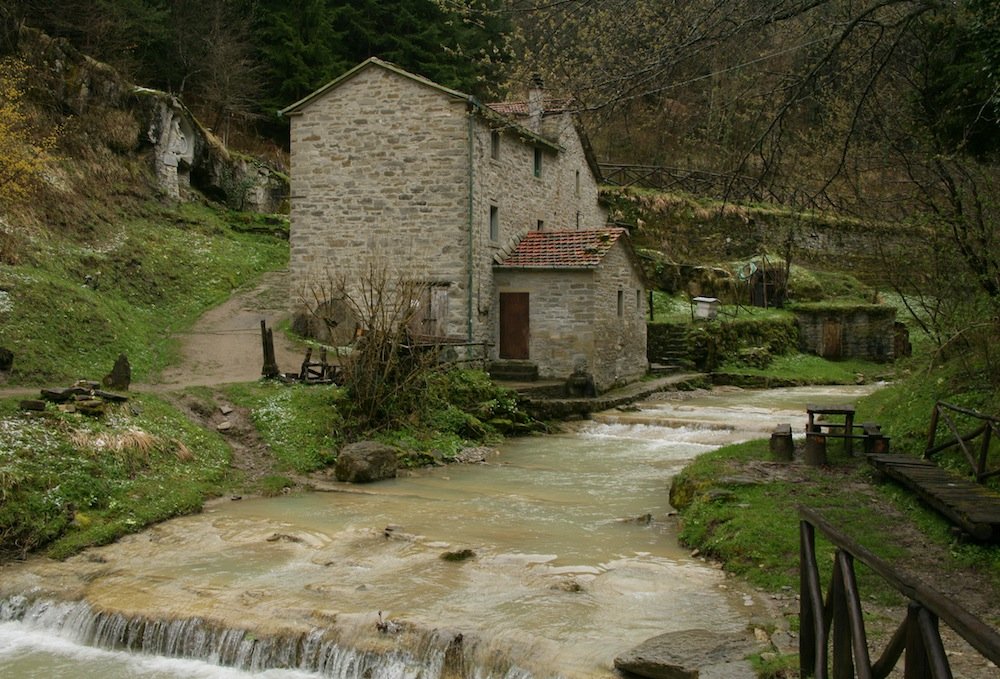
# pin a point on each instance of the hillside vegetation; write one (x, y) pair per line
(72, 305)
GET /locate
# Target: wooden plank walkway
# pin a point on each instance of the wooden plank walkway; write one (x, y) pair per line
(970, 506)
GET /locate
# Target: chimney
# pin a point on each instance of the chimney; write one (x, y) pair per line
(536, 102)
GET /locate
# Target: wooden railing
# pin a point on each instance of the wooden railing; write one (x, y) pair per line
(978, 460)
(838, 618)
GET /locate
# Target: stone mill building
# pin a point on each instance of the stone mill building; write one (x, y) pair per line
(492, 208)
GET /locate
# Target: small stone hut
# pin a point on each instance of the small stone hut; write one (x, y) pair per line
(572, 302)
(866, 331)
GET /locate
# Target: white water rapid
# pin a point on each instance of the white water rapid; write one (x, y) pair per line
(564, 556)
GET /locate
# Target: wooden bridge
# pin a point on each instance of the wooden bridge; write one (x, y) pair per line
(969, 505)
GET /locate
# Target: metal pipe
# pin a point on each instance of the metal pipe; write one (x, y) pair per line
(472, 120)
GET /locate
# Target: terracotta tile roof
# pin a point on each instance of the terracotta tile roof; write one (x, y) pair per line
(551, 249)
(520, 108)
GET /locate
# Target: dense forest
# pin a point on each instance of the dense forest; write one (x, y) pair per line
(874, 109)
(240, 61)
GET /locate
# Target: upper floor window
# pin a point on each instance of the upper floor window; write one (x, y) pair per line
(578, 183)
(494, 222)
(621, 303)
(538, 162)
(540, 226)
(495, 144)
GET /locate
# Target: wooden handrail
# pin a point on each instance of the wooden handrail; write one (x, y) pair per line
(978, 461)
(840, 616)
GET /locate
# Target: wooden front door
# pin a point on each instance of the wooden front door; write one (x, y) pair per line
(832, 339)
(514, 325)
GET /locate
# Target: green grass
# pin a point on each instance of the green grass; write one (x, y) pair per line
(669, 308)
(151, 275)
(68, 481)
(805, 286)
(753, 528)
(271, 486)
(904, 411)
(300, 424)
(812, 369)
(305, 425)
(76, 300)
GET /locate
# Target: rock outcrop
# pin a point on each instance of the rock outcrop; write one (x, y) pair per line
(181, 152)
(690, 654)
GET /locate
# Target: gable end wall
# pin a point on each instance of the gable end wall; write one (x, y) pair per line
(620, 341)
(380, 176)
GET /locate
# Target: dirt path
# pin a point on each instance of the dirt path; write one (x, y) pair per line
(224, 344)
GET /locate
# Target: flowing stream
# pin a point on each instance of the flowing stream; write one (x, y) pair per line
(549, 560)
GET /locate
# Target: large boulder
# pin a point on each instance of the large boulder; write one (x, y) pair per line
(365, 461)
(690, 654)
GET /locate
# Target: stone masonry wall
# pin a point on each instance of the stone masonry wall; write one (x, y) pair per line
(380, 177)
(556, 198)
(381, 173)
(861, 332)
(561, 323)
(621, 339)
(574, 322)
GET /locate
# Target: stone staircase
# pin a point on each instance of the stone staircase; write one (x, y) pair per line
(668, 352)
(514, 371)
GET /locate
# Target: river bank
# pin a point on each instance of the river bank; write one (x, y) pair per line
(569, 558)
(741, 508)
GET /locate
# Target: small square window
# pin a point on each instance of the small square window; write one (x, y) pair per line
(538, 162)
(494, 222)
(495, 145)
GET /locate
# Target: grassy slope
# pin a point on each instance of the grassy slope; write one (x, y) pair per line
(752, 528)
(153, 273)
(67, 481)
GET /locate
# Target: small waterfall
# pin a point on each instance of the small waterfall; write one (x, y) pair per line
(409, 654)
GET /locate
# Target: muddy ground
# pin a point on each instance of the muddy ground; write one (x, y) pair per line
(224, 345)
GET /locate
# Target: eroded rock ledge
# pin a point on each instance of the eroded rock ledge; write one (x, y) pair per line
(182, 153)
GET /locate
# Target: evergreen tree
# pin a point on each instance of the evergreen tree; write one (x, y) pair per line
(462, 48)
(299, 47)
(306, 43)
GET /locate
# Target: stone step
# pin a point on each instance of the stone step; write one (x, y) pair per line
(518, 371)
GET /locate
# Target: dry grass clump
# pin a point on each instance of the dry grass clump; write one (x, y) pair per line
(182, 452)
(132, 440)
(130, 448)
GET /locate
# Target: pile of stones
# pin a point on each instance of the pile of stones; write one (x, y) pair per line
(85, 397)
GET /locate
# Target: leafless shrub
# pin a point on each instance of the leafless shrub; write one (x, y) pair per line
(383, 366)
